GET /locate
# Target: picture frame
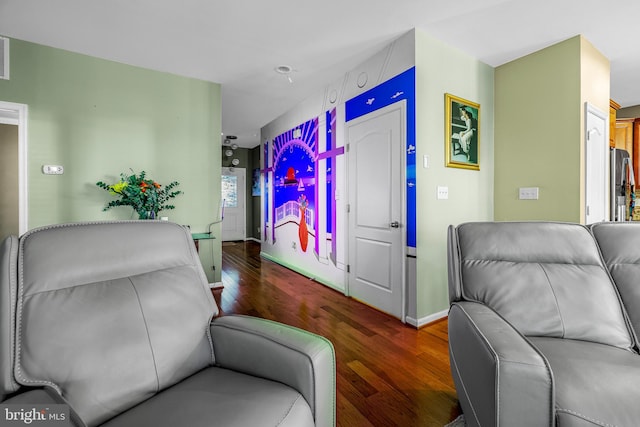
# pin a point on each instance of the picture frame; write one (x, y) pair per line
(462, 133)
(255, 183)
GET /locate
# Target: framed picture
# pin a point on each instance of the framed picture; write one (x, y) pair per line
(462, 133)
(255, 182)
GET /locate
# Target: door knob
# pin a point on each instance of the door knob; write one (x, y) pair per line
(394, 224)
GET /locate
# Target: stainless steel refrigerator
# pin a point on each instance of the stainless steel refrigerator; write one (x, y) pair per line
(621, 203)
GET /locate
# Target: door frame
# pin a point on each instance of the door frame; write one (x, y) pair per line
(603, 140)
(403, 200)
(244, 201)
(12, 113)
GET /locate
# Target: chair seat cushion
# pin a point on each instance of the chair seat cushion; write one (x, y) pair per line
(220, 397)
(595, 384)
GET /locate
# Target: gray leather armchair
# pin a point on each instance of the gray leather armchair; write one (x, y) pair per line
(115, 320)
(538, 335)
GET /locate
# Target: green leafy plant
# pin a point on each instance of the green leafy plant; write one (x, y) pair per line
(144, 195)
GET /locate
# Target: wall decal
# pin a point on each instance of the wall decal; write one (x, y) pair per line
(267, 191)
(294, 166)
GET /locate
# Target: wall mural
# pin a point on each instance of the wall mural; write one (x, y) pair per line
(299, 173)
(265, 173)
(330, 153)
(294, 161)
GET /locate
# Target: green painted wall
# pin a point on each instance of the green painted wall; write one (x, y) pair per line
(98, 118)
(442, 69)
(538, 127)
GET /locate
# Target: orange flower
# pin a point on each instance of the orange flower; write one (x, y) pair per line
(155, 184)
(144, 184)
(144, 190)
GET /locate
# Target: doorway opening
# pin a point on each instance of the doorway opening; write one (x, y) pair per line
(234, 223)
(13, 119)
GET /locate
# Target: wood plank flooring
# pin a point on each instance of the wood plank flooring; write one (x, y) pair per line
(388, 373)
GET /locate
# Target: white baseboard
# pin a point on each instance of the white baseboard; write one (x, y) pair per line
(253, 239)
(216, 285)
(418, 323)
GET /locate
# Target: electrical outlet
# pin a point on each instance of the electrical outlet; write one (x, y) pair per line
(528, 193)
(443, 193)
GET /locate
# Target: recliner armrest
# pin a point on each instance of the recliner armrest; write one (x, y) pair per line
(271, 350)
(501, 378)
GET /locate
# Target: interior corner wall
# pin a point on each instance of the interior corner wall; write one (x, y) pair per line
(443, 69)
(538, 134)
(99, 118)
(595, 78)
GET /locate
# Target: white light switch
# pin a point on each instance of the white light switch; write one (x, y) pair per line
(528, 193)
(443, 193)
(52, 170)
(425, 161)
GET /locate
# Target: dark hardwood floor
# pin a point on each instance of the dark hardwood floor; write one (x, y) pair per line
(388, 373)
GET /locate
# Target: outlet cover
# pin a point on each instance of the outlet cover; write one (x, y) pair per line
(443, 193)
(529, 193)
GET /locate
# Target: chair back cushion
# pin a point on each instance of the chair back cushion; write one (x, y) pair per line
(110, 313)
(619, 243)
(546, 279)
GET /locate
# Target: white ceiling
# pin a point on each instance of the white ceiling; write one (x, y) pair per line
(238, 43)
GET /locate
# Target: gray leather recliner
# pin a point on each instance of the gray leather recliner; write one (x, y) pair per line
(538, 334)
(115, 319)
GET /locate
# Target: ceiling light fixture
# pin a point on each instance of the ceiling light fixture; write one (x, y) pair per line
(285, 70)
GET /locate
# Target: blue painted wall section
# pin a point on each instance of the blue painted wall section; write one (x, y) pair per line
(400, 87)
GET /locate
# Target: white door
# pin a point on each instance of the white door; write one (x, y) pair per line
(596, 150)
(233, 196)
(376, 209)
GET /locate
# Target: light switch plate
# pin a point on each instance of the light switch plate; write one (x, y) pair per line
(52, 170)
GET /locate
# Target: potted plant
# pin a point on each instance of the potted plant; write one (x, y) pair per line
(143, 194)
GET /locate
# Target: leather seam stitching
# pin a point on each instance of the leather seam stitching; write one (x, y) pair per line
(189, 266)
(18, 372)
(286, 414)
(146, 327)
(13, 300)
(555, 298)
(585, 417)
